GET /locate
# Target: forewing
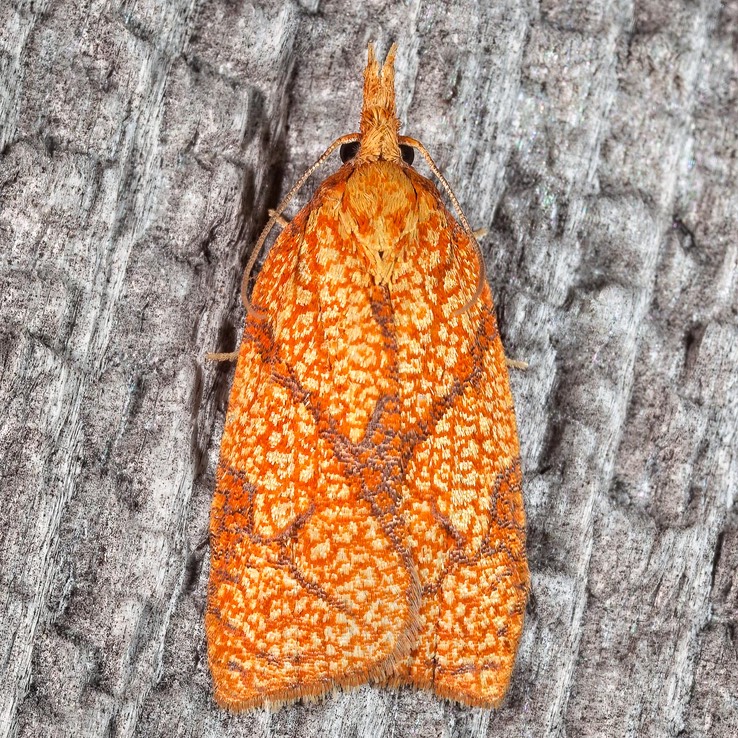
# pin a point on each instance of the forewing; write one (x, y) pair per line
(311, 585)
(462, 500)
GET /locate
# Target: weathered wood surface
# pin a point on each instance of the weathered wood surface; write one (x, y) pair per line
(141, 145)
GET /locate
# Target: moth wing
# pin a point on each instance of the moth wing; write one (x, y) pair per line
(462, 497)
(465, 508)
(307, 591)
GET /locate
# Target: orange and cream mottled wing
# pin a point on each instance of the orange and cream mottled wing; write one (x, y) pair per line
(311, 583)
(368, 519)
(462, 499)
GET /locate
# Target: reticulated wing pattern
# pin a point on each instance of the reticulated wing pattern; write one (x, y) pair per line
(311, 585)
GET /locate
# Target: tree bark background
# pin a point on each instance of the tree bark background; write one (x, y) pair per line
(141, 144)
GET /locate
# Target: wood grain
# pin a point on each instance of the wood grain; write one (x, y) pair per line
(141, 145)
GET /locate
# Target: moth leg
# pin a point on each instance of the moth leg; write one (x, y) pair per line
(282, 222)
(480, 233)
(516, 364)
(232, 356)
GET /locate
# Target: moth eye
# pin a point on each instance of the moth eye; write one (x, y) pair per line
(349, 151)
(408, 153)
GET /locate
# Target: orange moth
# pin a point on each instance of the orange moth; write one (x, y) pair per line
(368, 521)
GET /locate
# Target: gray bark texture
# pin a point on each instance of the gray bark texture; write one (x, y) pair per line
(141, 144)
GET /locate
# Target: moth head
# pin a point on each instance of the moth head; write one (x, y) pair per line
(351, 149)
(379, 124)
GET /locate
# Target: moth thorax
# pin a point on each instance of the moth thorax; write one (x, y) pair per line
(381, 263)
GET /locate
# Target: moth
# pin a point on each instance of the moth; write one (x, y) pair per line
(368, 520)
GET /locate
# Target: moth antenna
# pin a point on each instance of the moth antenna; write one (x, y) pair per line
(275, 216)
(482, 276)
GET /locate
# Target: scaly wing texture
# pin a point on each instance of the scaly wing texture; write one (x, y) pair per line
(369, 458)
(311, 583)
(462, 501)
